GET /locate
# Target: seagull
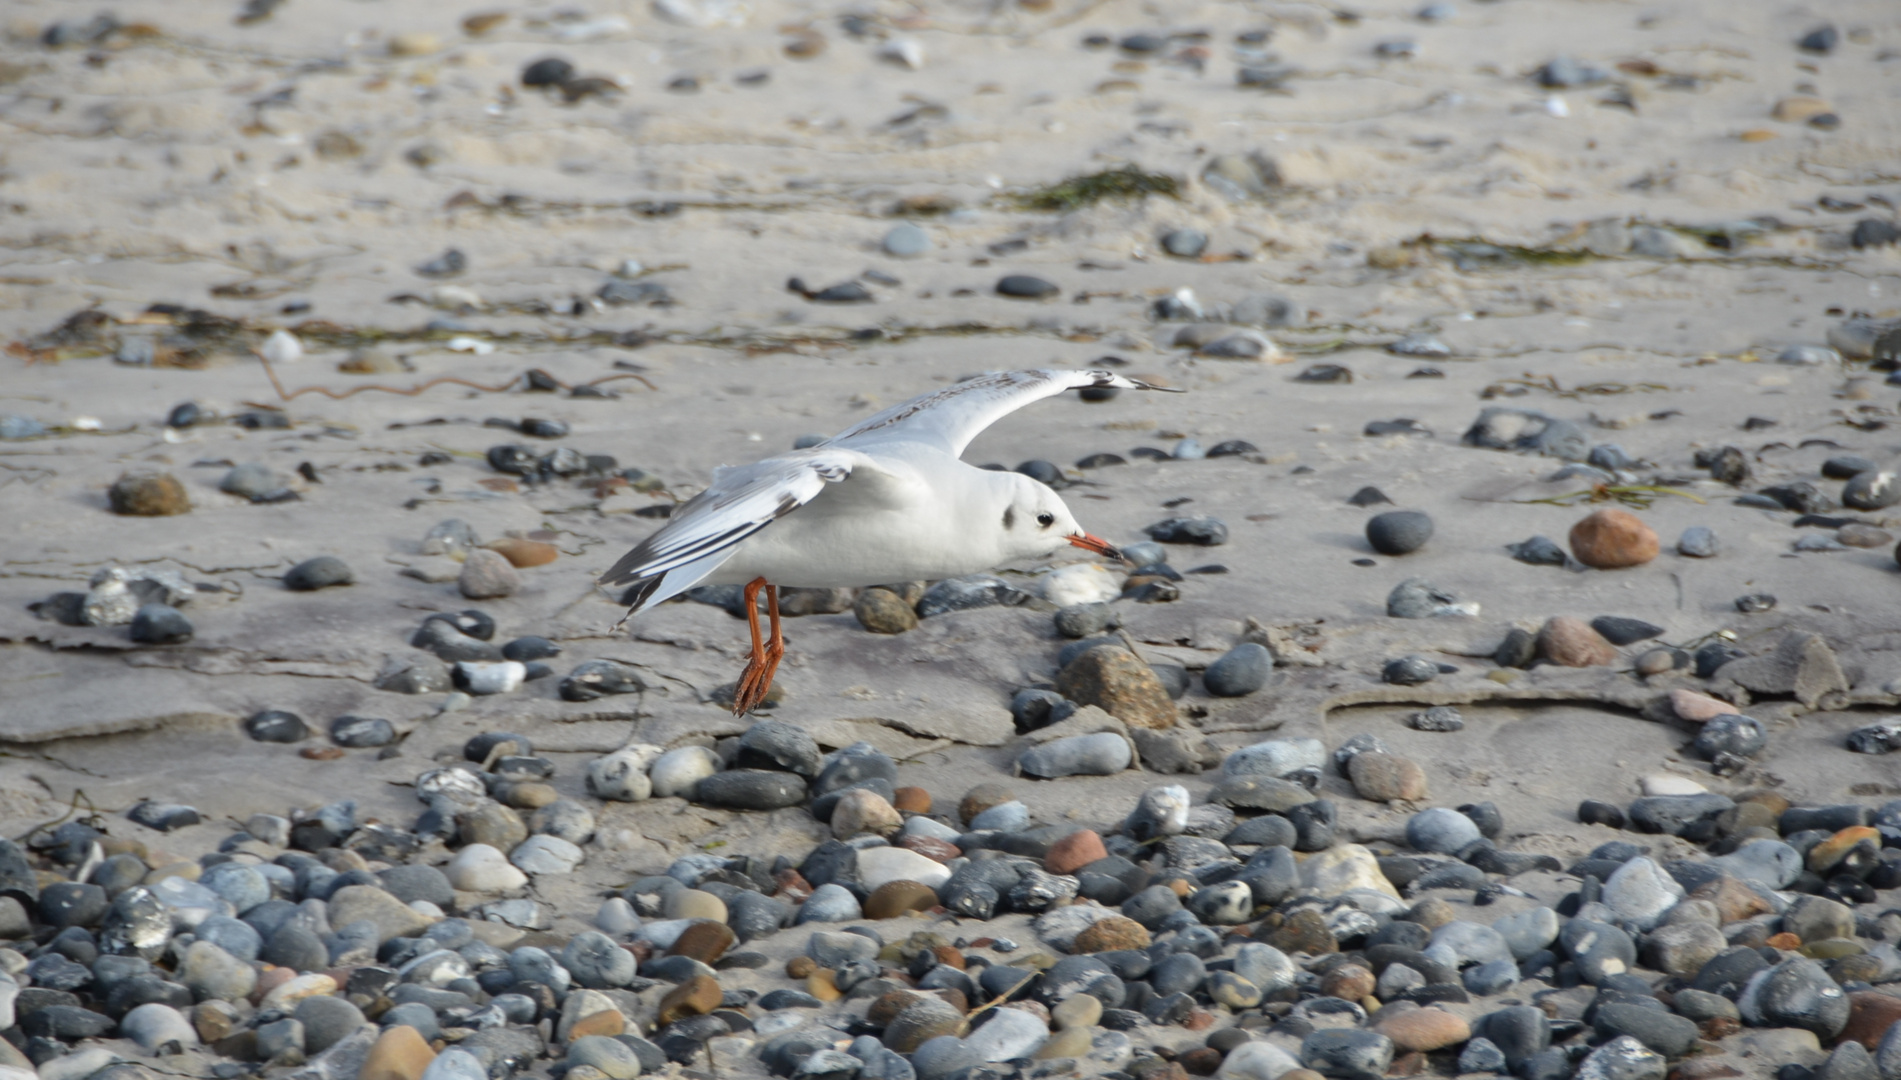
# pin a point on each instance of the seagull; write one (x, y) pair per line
(885, 500)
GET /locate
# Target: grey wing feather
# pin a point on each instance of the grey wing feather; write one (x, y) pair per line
(741, 502)
(950, 418)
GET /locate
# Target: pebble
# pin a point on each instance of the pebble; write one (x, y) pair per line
(258, 483)
(1742, 736)
(751, 789)
(1398, 532)
(1026, 287)
(483, 677)
(1624, 631)
(1101, 754)
(1116, 681)
(1241, 671)
(1437, 718)
(160, 624)
(1387, 777)
(1417, 598)
(1201, 530)
(1539, 551)
(1440, 830)
(487, 575)
(1697, 542)
(1185, 243)
(479, 868)
(1610, 539)
(322, 572)
(1871, 490)
(882, 611)
(1409, 671)
(1419, 345)
(148, 495)
(1572, 642)
(906, 241)
(677, 773)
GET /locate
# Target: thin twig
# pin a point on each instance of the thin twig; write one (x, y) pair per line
(412, 391)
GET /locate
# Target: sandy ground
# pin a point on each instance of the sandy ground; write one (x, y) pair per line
(291, 172)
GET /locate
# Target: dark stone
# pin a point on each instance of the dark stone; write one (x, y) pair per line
(1368, 496)
(1398, 532)
(751, 789)
(277, 726)
(1203, 531)
(321, 572)
(1619, 630)
(1026, 287)
(160, 624)
(548, 71)
(357, 732)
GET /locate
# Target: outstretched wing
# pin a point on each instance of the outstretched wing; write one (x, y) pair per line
(948, 419)
(741, 501)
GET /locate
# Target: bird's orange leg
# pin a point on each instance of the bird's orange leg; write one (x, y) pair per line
(756, 679)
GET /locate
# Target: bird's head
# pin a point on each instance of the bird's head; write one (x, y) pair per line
(1035, 524)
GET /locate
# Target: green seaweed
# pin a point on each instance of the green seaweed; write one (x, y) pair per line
(1120, 184)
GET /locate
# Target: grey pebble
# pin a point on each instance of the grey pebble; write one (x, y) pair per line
(1185, 243)
(160, 624)
(1026, 287)
(906, 241)
(277, 726)
(1086, 620)
(358, 732)
(1100, 754)
(1201, 530)
(321, 572)
(1417, 598)
(258, 483)
(1539, 551)
(1437, 718)
(1398, 532)
(1743, 736)
(1409, 671)
(1419, 345)
(1243, 670)
(1697, 542)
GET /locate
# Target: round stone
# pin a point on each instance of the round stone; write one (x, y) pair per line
(1185, 243)
(1440, 830)
(278, 726)
(677, 773)
(882, 611)
(1697, 542)
(1610, 539)
(1100, 754)
(897, 898)
(488, 575)
(1026, 287)
(322, 572)
(160, 624)
(1243, 670)
(1398, 532)
(1387, 777)
(906, 241)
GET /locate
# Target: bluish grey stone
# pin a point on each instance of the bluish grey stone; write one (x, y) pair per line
(1398, 532)
(1600, 949)
(322, 572)
(942, 1057)
(1241, 671)
(232, 935)
(1409, 671)
(1100, 754)
(1347, 1053)
(160, 624)
(597, 961)
(1538, 551)
(1491, 977)
(830, 903)
(1417, 598)
(1440, 830)
(1795, 993)
(1698, 542)
(1009, 816)
(906, 241)
(1743, 736)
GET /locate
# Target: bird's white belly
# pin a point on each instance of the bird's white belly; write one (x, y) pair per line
(821, 550)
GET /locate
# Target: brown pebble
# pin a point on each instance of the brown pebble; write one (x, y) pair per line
(1075, 851)
(608, 1022)
(704, 940)
(889, 1005)
(823, 985)
(697, 996)
(791, 885)
(320, 753)
(912, 800)
(800, 966)
(1111, 934)
(1784, 941)
(399, 1053)
(1421, 1029)
(1573, 643)
(149, 495)
(1201, 1061)
(524, 553)
(1350, 982)
(895, 898)
(1824, 856)
(1656, 662)
(1870, 1015)
(1386, 777)
(1431, 913)
(1610, 539)
(487, 575)
(947, 954)
(860, 810)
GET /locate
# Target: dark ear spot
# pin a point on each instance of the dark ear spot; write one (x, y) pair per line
(1009, 517)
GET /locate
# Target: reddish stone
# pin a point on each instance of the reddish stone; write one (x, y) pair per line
(1411, 1063)
(800, 966)
(1610, 539)
(912, 800)
(948, 955)
(930, 847)
(792, 886)
(1870, 1014)
(1718, 1028)
(705, 941)
(1075, 851)
(1784, 941)
(1202, 1061)
(1199, 1020)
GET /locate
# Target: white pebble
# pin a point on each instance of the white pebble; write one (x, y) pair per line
(1669, 784)
(282, 347)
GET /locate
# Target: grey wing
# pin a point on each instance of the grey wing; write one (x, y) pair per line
(948, 419)
(704, 531)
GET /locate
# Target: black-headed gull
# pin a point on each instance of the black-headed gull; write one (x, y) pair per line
(886, 500)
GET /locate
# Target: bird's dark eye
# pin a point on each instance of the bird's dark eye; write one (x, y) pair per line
(1046, 519)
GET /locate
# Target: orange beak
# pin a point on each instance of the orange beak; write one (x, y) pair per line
(1096, 544)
